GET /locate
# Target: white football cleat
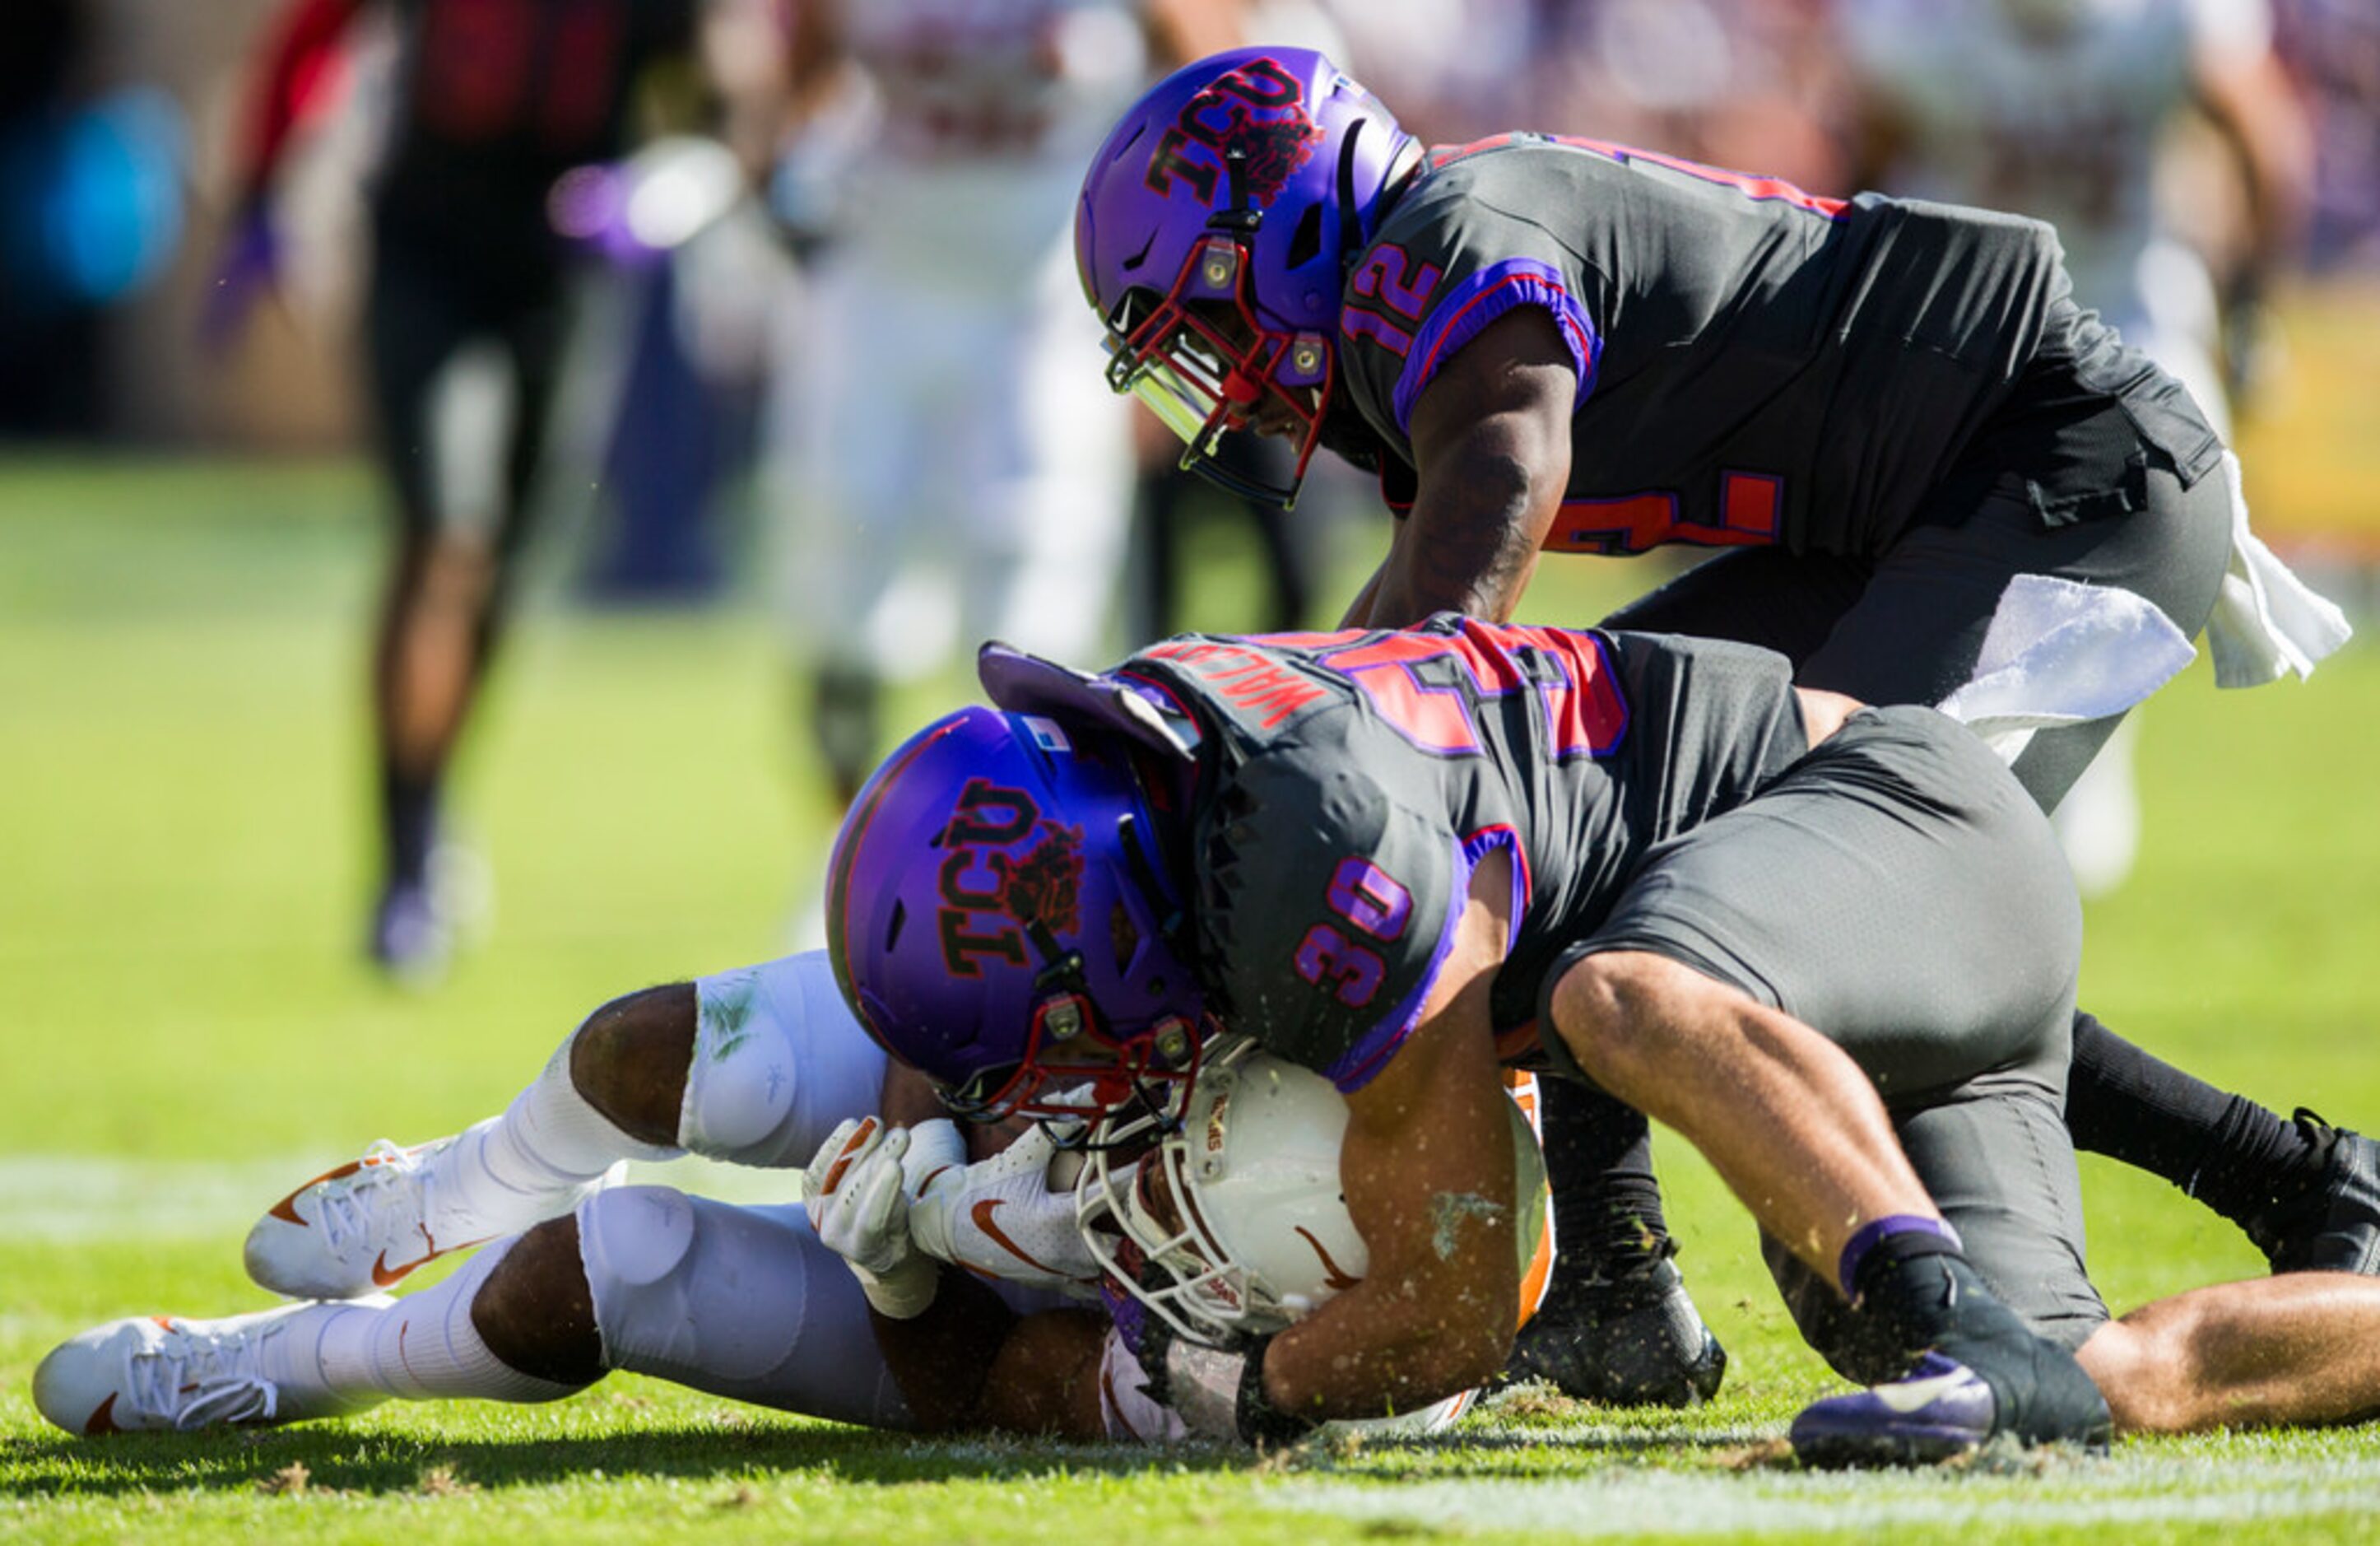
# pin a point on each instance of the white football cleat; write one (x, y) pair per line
(163, 1373)
(365, 1226)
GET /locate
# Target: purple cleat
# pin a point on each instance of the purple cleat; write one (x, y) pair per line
(1938, 1411)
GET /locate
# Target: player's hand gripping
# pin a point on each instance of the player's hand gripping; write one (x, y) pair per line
(1001, 1216)
(859, 1201)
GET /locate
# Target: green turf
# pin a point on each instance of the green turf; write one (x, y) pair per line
(182, 871)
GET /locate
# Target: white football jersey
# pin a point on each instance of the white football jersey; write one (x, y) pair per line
(2052, 108)
(989, 112)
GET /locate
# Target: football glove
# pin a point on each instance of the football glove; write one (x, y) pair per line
(1001, 1217)
(858, 1203)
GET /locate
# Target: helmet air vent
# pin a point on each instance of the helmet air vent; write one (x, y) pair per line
(1305, 242)
(1123, 936)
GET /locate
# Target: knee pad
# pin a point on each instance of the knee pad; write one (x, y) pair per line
(778, 1059)
(635, 1237)
(742, 1302)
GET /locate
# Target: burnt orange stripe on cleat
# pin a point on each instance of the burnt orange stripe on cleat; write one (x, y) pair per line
(287, 1208)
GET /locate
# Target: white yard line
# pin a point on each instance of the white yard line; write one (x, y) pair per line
(70, 1198)
(1628, 1501)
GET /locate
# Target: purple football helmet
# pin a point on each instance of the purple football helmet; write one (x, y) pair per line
(1000, 919)
(1214, 235)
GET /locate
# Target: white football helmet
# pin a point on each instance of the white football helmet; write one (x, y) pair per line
(1239, 1206)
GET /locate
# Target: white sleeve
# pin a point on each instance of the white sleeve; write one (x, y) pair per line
(2230, 29)
(1124, 1402)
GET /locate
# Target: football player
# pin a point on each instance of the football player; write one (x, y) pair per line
(949, 477)
(1835, 946)
(1913, 449)
(761, 1066)
(464, 325)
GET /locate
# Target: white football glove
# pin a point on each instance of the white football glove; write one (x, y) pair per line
(1000, 1217)
(858, 1203)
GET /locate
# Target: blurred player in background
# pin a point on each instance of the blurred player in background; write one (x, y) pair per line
(2061, 110)
(493, 100)
(955, 470)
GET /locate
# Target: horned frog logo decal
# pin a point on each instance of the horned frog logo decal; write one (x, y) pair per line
(1260, 108)
(1005, 869)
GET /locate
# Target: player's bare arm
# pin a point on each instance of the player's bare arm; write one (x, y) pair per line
(909, 1097)
(969, 1362)
(2250, 100)
(1492, 442)
(1180, 30)
(1427, 1169)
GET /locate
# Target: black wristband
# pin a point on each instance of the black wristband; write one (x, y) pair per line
(1261, 1422)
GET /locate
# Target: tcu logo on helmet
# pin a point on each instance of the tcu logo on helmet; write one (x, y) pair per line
(987, 894)
(1224, 117)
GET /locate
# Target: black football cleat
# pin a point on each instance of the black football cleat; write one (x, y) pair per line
(1633, 1340)
(2336, 1226)
(1985, 1375)
(1939, 1411)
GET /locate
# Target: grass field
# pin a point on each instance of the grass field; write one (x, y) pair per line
(182, 873)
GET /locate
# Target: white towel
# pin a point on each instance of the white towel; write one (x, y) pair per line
(2266, 621)
(2061, 652)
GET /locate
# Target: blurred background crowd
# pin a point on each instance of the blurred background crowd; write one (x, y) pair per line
(774, 298)
(122, 125)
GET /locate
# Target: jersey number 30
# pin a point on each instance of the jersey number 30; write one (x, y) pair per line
(1373, 904)
(1430, 687)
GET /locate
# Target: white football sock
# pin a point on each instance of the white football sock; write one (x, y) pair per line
(424, 1347)
(528, 1164)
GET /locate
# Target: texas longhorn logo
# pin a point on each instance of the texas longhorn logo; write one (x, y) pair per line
(989, 899)
(1257, 110)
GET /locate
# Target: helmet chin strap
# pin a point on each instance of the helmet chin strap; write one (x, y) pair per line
(1239, 218)
(1061, 976)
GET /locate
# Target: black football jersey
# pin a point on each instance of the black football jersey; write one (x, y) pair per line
(1755, 364)
(495, 99)
(1348, 783)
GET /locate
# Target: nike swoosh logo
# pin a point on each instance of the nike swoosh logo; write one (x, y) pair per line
(386, 1276)
(982, 1211)
(1332, 1271)
(1909, 1395)
(287, 1208)
(103, 1420)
